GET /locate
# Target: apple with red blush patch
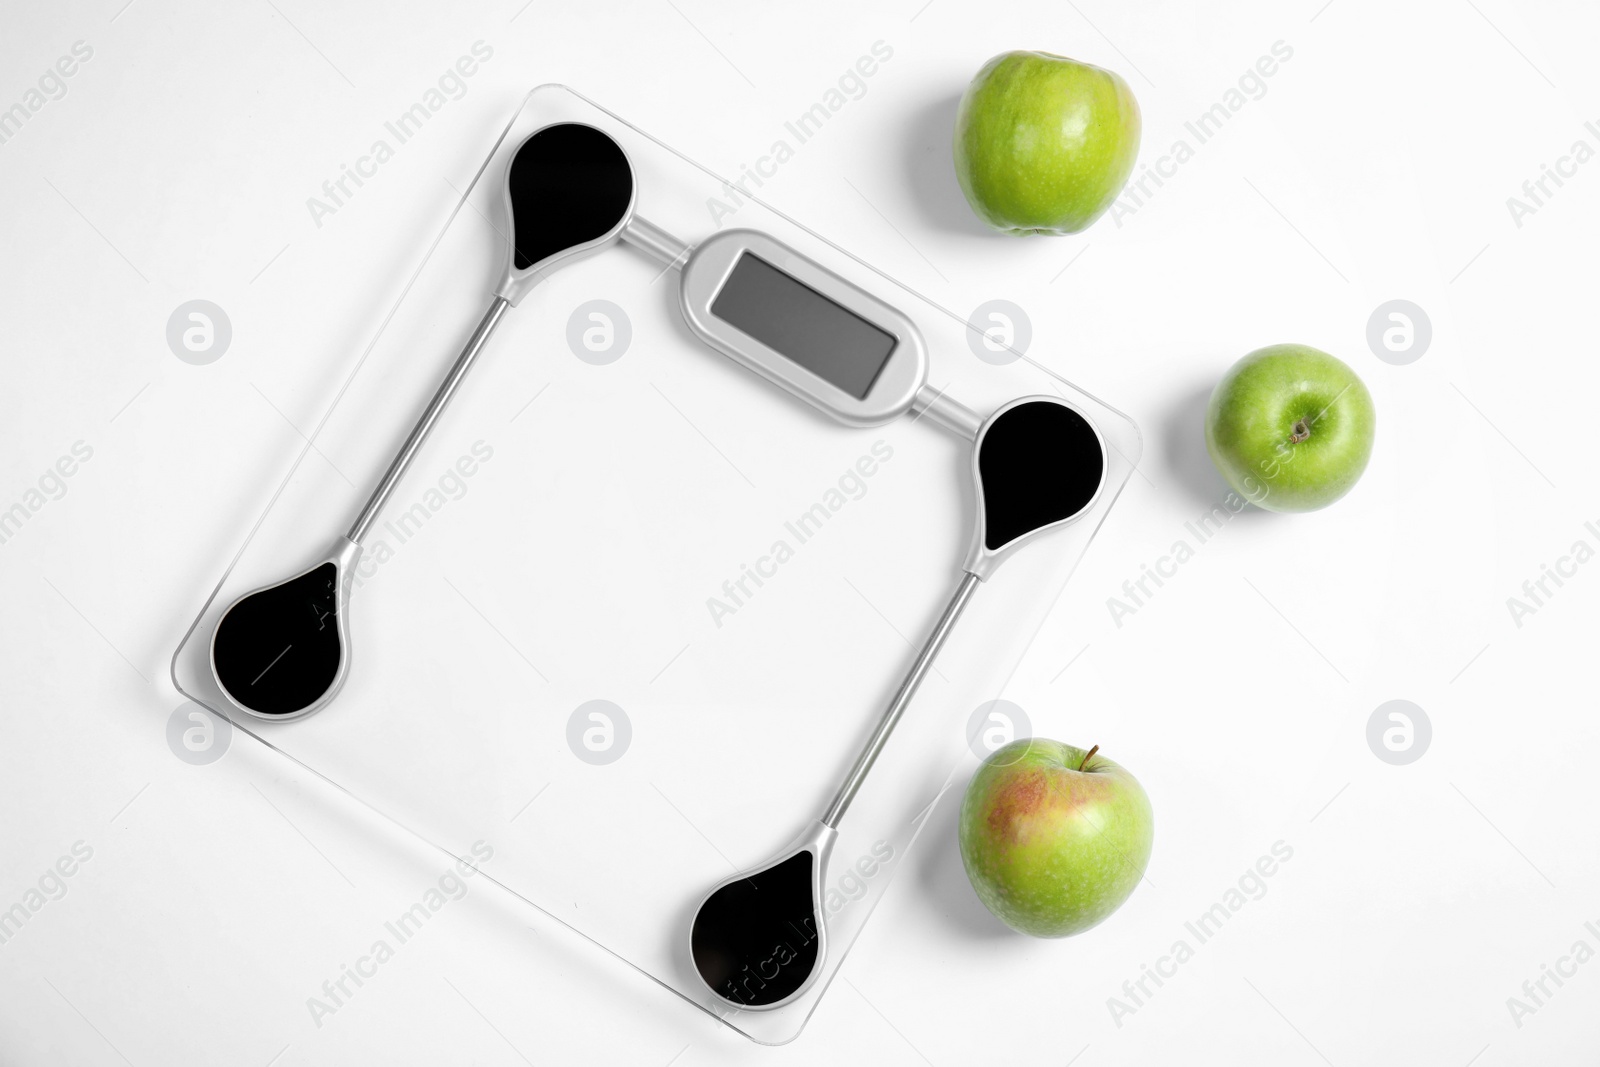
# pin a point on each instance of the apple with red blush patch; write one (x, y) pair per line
(1054, 838)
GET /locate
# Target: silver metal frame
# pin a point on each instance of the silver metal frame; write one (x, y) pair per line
(513, 286)
(981, 563)
(430, 416)
(902, 698)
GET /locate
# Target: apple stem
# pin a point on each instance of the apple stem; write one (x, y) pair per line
(1300, 430)
(1087, 756)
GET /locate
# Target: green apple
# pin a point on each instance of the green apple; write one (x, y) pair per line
(1053, 838)
(1044, 143)
(1290, 428)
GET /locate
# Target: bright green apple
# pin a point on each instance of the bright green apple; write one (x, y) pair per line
(1290, 428)
(1054, 838)
(1044, 143)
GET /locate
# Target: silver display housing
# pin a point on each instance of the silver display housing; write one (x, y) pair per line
(892, 391)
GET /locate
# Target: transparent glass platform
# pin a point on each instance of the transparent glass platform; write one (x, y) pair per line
(634, 610)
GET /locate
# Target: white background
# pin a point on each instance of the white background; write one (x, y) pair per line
(1376, 164)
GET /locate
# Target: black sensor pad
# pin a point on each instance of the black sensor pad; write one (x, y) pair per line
(569, 184)
(277, 651)
(1039, 463)
(755, 941)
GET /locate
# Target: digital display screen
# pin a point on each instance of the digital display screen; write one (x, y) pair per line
(800, 323)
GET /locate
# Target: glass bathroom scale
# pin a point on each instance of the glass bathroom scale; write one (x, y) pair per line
(634, 607)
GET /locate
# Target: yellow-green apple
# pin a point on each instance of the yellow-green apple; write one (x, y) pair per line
(1043, 143)
(1053, 838)
(1291, 428)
